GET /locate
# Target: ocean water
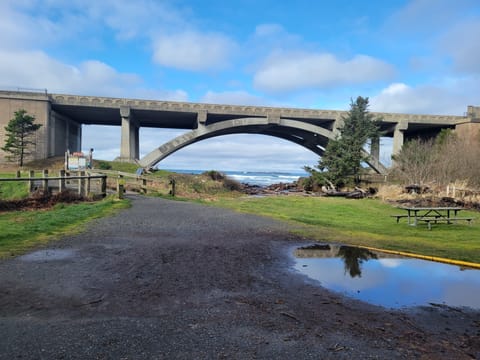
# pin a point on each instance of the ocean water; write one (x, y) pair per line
(255, 177)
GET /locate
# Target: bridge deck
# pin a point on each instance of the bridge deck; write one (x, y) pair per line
(171, 114)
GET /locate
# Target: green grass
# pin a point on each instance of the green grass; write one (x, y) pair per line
(366, 222)
(12, 190)
(116, 166)
(23, 230)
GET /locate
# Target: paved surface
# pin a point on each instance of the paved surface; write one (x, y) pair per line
(175, 280)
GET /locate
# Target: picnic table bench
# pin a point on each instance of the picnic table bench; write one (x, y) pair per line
(431, 215)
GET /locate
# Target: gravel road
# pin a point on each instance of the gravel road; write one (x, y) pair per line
(177, 280)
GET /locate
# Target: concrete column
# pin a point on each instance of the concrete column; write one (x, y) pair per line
(129, 144)
(202, 120)
(375, 151)
(79, 137)
(398, 136)
(137, 142)
(67, 137)
(338, 123)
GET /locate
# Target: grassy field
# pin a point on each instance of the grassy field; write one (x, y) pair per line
(366, 222)
(22, 230)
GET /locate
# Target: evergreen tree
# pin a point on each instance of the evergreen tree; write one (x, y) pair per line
(19, 136)
(344, 155)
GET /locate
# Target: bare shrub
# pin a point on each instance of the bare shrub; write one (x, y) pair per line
(414, 164)
(439, 162)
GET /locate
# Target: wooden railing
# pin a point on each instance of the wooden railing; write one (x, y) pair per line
(84, 183)
(140, 183)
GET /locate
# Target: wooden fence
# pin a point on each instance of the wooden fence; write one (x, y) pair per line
(127, 181)
(83, 183)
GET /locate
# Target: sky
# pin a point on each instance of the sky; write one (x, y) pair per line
(408, 56)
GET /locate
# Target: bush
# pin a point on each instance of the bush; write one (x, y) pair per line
(232, 185)
(214, 175)
(441, 161)
(104, 165)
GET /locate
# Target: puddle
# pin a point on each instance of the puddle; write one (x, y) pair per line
(389, 280)
(49, 255)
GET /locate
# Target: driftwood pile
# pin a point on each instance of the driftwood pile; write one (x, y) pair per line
(294, 187)
(274, 189)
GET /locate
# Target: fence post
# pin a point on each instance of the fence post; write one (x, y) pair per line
(31, 182)
(104, 185)
(144, 185)
(120, 186)
(45, 181)
(87, 185)
(61, 182)
(172, 182)
(81, 183)
(18, 174)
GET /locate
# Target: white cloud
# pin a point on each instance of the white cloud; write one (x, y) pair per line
(126, 18)
(38, 70)
(275, 36)
(284, 72)
(461, 43)
(18, 29)
(193, 51)
(266, 30)
(35, 69)
(137, 18)
(428, 16)
(26, 27)
(446, 97)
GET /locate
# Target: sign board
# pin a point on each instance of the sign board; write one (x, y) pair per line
(78, 161)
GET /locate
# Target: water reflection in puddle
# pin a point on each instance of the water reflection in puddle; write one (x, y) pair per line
(389, 280)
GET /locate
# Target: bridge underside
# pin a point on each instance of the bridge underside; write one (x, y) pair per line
(312, 137)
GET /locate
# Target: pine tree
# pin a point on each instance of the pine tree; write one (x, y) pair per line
(344, 155)
(19, 136)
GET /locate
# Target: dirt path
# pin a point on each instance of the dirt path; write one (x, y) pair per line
(175, 280)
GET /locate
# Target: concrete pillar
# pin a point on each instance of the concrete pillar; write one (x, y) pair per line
(375, 151)
(67, 137)
(129, 144)
(202, 120)
(73, 136)
(79, 137)
(398, 136)
(469, 132)
(338, 123)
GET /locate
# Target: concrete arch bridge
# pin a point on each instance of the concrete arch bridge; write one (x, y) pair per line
(63, 116)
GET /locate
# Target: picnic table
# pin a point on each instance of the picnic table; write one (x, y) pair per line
(431, 215)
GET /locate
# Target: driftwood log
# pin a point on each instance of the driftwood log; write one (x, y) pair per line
(357, 193)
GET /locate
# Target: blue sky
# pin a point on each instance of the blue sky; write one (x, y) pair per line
(416, 56)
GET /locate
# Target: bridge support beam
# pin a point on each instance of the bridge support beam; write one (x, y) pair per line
(375, 152)
(398, 137)
(130, 141)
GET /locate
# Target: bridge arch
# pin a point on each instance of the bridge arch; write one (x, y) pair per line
(312, 137)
